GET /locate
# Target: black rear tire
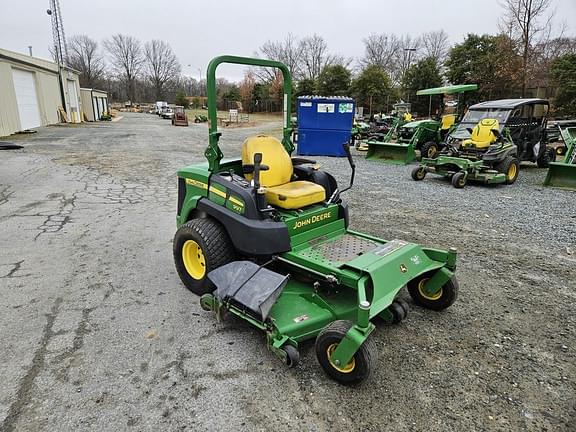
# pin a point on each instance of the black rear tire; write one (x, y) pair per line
(548, 156)
(200, 246)
(439, 301)
(361, 365)
(429, 150)
(459, 180)
(510, 167)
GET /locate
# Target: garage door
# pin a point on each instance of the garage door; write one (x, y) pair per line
(74, 105)
(26, 99)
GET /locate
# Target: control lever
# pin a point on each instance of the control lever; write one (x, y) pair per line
(337, 192)
(258, 191)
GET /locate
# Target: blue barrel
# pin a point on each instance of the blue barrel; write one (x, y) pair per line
(324, 124)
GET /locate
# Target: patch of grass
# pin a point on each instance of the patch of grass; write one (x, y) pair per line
(253, 119)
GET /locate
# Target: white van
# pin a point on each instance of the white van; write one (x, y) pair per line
(161, 107)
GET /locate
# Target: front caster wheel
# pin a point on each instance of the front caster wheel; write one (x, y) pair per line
(441, 300)
(459, 180)
(418, 173)
(358, 368)
(292, 356)
(396, 312)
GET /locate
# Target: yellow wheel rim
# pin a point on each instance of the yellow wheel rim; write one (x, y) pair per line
(512, 170)
(431, 152)
(431, 297)
(559, 150)
(346, 369)
(194, 260)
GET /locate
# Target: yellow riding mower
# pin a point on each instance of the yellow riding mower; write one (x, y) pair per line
(489, 156)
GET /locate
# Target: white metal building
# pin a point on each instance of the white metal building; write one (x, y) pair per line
(94, 103)
(31, 94)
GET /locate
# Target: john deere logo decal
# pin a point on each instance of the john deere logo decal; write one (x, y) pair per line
(403, 268)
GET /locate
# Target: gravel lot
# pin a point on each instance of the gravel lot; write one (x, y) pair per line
(99, 334)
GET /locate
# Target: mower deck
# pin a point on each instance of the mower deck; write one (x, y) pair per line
(475, 170)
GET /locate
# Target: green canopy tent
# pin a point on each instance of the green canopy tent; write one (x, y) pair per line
(453, 89)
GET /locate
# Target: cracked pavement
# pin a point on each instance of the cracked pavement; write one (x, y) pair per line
(99, 334)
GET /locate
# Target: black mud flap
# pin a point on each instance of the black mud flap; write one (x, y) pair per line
(248, 284)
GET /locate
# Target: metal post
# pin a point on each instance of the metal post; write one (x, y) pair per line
(410, 50)
(370, 104)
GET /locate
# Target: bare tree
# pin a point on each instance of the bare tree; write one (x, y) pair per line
(392, 53)
(408, 53)
(161, 65)
(543, 54)
(286, 51)
(84, 56)
(126, 58)
(525, 21)
(435, 44)
(380, 50)
(315, 57)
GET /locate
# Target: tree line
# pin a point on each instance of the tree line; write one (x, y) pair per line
(530, 56)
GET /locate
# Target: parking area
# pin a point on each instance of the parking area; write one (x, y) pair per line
(98, 333)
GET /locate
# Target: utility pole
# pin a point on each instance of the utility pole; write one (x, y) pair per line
(200, 82)
(410, 51)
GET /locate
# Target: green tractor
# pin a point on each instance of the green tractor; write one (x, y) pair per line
(489, 156)
(264, 236)
(426, 135)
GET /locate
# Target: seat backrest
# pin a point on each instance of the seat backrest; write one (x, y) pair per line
(447, 121)
(273, 154)
(482, 135)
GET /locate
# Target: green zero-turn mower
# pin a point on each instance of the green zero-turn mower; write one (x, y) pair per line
(425, 135)
(489, 156)
(563, 174)
(265, 237)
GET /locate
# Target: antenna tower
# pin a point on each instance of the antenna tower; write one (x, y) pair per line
(58, 32)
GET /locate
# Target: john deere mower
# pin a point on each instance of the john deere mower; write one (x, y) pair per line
(426, 135)
(525, 119)
(489, 156)
(264, 237)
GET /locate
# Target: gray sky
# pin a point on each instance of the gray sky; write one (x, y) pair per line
(200, 30)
